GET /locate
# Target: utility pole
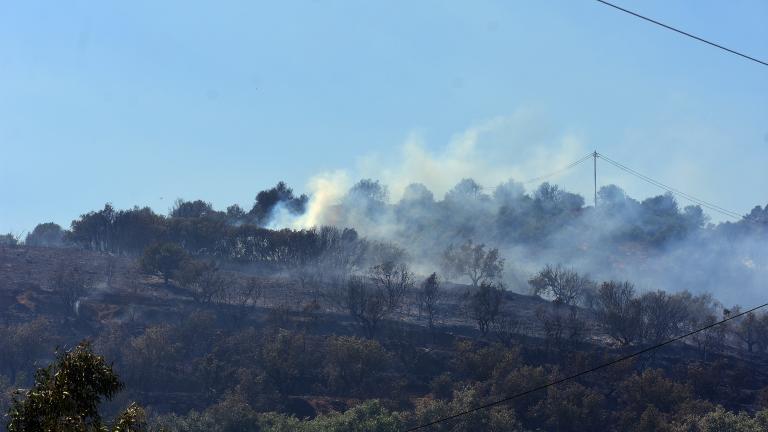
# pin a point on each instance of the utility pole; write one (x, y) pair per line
(594, 157)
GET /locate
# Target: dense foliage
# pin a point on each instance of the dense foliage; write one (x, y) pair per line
(66, 396)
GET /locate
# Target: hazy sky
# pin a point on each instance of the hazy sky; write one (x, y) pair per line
(142, 102)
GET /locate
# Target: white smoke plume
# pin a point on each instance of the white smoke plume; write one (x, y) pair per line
(491, 153)
(519, 147)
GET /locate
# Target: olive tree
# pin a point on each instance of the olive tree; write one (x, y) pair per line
(563, 285)
(164, 259)
(474, 262)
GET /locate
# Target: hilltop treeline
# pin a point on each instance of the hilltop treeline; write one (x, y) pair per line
(508, 216)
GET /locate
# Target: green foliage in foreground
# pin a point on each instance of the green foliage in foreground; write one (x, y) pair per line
(233, 414)
(372, 416)
(66, 397)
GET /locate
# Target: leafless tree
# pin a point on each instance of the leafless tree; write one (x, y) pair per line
(110, 267)
(562, 324)
(664, 315)
(505, 328)
(712, 339)
(308, 277)
(366, 303)
(428, 296)
(242, 296)
(71, 284)
(619, 311)
(749, 329)
(484, 304)
(394, 280)
(563, 285)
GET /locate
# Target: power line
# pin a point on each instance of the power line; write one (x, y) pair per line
(670, 189)
(683, 33)
(553, 173)
(582, 373)
(698, 201)
(561, 170)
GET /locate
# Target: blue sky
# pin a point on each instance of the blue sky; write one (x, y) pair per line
(128, 102)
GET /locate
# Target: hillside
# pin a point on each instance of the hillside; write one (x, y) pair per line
(298, 351)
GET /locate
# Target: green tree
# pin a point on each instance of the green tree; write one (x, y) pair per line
(495, 419)
(355, 365)
(370, 416)
(66, 397)
(474, 262)
(164, 259)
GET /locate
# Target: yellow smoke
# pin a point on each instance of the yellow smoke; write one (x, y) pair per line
(325, 191)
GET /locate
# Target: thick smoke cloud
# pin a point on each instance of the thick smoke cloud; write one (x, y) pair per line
(428, 200)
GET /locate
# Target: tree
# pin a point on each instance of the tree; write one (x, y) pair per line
(66, 397)
(722, 420)
(649, 397)
(46, 235)
(369, 189)
(370, 416)
(750, 329)
(494, 419)
(164, 259)
(563, 285)
(137, 228)
(9, 240)
(94, 230)
(235, 212)
(203, 279)
(242, 296)
(505, 328)
(484, 305)
(366, 304)
(354, 365)
(267, 200)
(191, 209)
(474, 262)
(394, 280)
(572, 407)
(429, 296)
(21, 344)
(619, 312)
(562, 323)
(71, 284)
(663, 315)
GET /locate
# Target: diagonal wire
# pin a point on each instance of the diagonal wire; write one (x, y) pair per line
(561, 170)
(553, 173)
(584, 372)
(683, 32)
(659, 184)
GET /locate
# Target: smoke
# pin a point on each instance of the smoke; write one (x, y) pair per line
(518, 146)
(490, 152)
(425, 199)
(326, 192)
